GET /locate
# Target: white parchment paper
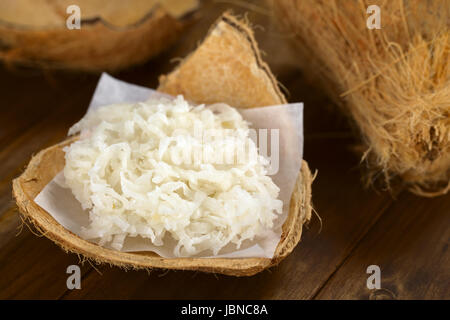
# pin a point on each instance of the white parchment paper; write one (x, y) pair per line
(60, 203)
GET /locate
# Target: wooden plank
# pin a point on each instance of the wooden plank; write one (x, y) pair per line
(30, 264)
(19, 111)
(317, 257)
(10, 226)
(51, 129)
(75, 92)
(32, 267)
(347, 212)
(69, 94)
(410, 245)
(35, 267)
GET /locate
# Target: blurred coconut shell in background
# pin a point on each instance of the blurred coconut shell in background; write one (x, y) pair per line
(200, 78)
(114, 34)
(393, 82)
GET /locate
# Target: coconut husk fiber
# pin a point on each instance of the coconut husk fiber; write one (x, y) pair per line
(233, 41)
(394, 82)
(114, 34)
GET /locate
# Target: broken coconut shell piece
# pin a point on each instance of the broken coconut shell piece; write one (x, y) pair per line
(114, 34)
(228, 36)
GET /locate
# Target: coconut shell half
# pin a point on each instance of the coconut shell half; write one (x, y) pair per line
(114, 34)
(201, 79)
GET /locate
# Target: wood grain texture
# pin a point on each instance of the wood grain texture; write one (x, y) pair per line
(410, 245)
(406, 236)
(33, 267)
(299, 276)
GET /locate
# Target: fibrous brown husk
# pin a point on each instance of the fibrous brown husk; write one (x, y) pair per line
(394, 82)
(114, 34)
(226, 36)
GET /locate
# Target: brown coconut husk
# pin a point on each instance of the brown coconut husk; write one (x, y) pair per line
(226, 36)
(114, 34)
(394, 82)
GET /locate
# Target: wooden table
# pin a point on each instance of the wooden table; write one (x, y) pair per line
(405, 235)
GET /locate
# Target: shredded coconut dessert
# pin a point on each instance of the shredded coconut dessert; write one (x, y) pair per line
(167, 168)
